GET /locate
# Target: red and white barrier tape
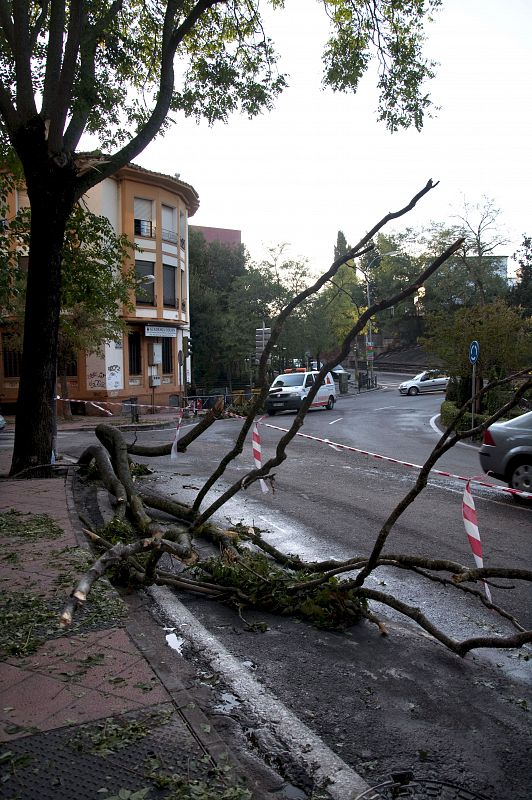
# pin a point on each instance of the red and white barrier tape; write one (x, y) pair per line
(100, 408)
(194, 404)
(339, 446)
(257, 453)
(469, 515)
(173, 451)
(334, 445)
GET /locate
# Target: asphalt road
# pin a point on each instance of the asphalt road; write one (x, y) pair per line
(331, 504)
(380, 703)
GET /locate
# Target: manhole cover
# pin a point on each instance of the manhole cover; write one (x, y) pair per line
(405, 785)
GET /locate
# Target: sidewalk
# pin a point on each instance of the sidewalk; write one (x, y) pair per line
(105, 707)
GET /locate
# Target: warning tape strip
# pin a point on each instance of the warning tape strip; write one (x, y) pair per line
(127, 404)
(349, 448)
(334, 445)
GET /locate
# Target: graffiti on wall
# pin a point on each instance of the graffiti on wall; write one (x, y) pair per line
(96, 380)
(114, 376)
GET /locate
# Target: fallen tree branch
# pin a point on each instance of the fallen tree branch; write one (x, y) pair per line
(184, 440)
(460, 648)
(363, 246)
(113, 485)
(285, 440)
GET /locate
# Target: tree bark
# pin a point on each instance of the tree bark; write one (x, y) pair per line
(50, 183)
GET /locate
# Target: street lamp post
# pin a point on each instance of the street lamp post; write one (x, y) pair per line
(369, 334)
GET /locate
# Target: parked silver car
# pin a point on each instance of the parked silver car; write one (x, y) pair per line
(429, 381)
(2, 423)
(506, 452)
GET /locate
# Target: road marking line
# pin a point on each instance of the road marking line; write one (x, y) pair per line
(348, 448)
(342, 782)
(439, 431)
(336, 420)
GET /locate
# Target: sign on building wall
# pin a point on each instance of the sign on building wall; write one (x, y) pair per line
(160, 330)
(114, 375)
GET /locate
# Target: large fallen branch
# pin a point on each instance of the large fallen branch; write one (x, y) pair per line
(245, 569)
(185, 440)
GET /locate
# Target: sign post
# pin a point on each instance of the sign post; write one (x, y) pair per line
(474, 352)
(262, 337)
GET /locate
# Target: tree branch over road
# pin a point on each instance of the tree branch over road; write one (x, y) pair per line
(244, 569)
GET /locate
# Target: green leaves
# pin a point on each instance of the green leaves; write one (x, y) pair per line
(135, 61)
(392, 33)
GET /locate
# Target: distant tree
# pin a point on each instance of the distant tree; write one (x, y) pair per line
(341, 247)
(521, 293)
(471, 277)
(388, 269)
(505, 340)
(216, 332)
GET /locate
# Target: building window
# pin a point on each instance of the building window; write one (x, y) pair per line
(169, 224)
(144, 217)
(135, 360)
(182, 229)
(169, 286)
(168, 355)
(12, 358)
(146, 290)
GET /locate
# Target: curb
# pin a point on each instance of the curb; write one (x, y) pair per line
(179, 678)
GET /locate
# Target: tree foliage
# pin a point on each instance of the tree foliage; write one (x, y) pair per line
(521, 292)
(222, 333)
(119, 70)
(96, 285)
(472, 276)
(505, 339)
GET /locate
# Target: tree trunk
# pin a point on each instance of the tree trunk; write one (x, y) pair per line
(50, 182)
(64, 409)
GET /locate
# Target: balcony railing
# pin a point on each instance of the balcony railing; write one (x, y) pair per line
(144, 227)
(168, 236)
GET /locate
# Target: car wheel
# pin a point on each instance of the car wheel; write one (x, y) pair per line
(413, 390)
(520, 477)
(271, 412)
(330, 403)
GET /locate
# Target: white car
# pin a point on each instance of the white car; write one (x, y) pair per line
(431, 380)
(288, 391)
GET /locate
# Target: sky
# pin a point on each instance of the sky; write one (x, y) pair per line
(320, 162)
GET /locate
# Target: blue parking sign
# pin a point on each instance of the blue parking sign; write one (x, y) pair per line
(474, 351)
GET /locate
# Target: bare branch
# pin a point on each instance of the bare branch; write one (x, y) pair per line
(460, 648)
(300, 416)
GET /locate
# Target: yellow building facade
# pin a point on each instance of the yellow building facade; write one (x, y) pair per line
(148, 365)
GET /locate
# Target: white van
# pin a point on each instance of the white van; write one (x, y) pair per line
(288, 391)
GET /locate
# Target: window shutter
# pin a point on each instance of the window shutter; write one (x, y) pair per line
(143, 208)
(169, 218)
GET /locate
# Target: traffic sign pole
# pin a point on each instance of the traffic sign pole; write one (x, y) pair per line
(474, 352)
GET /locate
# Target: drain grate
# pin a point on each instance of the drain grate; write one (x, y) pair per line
(62, 764)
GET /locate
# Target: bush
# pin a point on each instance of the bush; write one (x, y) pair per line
(448, 411)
